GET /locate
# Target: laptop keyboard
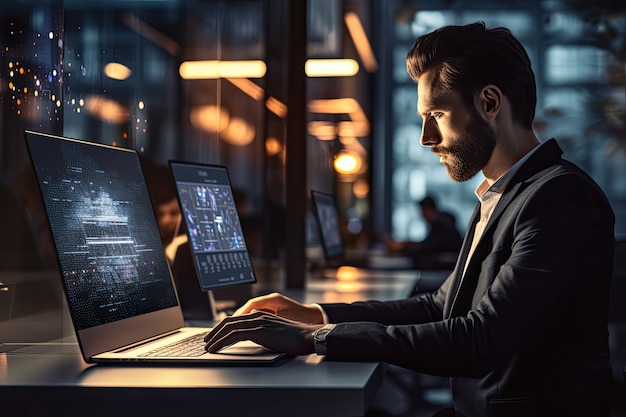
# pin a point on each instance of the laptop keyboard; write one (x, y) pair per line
(189, 346)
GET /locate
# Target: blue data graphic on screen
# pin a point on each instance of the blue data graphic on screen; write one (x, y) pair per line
(104, 230)
(213, 226)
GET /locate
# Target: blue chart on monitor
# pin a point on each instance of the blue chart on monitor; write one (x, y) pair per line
(214, 229)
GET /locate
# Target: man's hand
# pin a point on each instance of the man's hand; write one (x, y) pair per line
(279, 305)
(273, 332)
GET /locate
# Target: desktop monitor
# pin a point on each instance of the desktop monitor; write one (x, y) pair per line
(216, 241)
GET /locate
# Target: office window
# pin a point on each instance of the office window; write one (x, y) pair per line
(581, 98)
(576, 64)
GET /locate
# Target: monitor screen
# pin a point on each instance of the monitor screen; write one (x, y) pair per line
(214, 230)
(327, 216)
(104, 230)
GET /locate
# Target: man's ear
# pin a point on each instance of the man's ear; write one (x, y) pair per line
(490, 99)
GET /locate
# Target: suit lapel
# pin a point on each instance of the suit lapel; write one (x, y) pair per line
(460, 265)
(543, 157)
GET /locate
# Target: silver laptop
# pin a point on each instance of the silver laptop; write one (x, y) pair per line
(117, 281)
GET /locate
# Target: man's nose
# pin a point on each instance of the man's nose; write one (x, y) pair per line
(430, 134)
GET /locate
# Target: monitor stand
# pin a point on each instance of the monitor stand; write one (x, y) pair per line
(197, 304)
(213, 310)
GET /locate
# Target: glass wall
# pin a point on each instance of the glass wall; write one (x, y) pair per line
(190, 80)
(31, 97)
(113, 72)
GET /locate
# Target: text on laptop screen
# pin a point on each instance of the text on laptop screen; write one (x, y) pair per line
(104, 230)
(213, 226)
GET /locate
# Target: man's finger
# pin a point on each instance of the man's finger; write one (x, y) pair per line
(228, 320)
(231, 338)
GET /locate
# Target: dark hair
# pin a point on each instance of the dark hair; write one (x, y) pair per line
(472, 56)
(428, 202)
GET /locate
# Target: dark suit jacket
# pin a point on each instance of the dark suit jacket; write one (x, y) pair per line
(524, 333)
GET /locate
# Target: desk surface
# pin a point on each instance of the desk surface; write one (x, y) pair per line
(49, 379)
(45, 380)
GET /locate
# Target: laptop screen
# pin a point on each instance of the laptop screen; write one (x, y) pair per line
(214, 230)
(327, 216)
(104, 230)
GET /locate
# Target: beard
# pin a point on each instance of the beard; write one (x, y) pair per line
(470, 152)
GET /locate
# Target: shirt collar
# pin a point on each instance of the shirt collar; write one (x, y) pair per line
(484, 190)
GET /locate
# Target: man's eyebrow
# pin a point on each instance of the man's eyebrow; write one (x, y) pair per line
(437, 102)
(429, 108)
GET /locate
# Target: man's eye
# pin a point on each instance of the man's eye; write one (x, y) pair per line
(436, 115)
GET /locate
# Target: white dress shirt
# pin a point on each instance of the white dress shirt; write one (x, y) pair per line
(489, 196)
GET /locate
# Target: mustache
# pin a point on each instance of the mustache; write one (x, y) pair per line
(441, 150)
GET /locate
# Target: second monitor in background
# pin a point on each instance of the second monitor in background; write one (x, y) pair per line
(328, 221)
(215, 238)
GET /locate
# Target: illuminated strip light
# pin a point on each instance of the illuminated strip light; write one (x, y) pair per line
(361, 43)
(334, 105)
(257, 93)
(117, 71)
(322, 130)
(248, 87)
(206, 70)
(152, 34)
(277, 107)
(357, 126)
(106, 109)
(331, 67)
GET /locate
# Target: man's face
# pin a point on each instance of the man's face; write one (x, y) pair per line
(461, 138)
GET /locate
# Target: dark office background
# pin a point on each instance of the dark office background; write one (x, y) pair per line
(111, 72)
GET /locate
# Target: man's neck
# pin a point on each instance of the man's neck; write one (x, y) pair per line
(509, 149)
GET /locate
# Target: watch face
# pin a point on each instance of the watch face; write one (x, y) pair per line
(320, 334)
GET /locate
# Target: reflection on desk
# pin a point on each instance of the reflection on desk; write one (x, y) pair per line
(349, 284)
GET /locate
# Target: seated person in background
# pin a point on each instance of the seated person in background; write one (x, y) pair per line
(170, 226)
(441, 246)
(520, 325)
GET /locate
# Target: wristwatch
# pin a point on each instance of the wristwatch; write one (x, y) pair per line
(319, 338)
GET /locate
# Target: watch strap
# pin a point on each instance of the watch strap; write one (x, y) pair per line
(319, 338)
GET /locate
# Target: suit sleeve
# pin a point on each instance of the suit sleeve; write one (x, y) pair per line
(419, 309)
(537, 273)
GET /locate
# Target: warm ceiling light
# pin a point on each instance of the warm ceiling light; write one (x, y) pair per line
(334, 105)
(361, 43)
(273, 146)
(347, 163)
(209, 118)
(322, 130)
(106, 109)
(331, 67)
(248, 87)
(203, 70)
(239, 132)
(277, 107)
(358, 125)
(350, 128)
(117, 71)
